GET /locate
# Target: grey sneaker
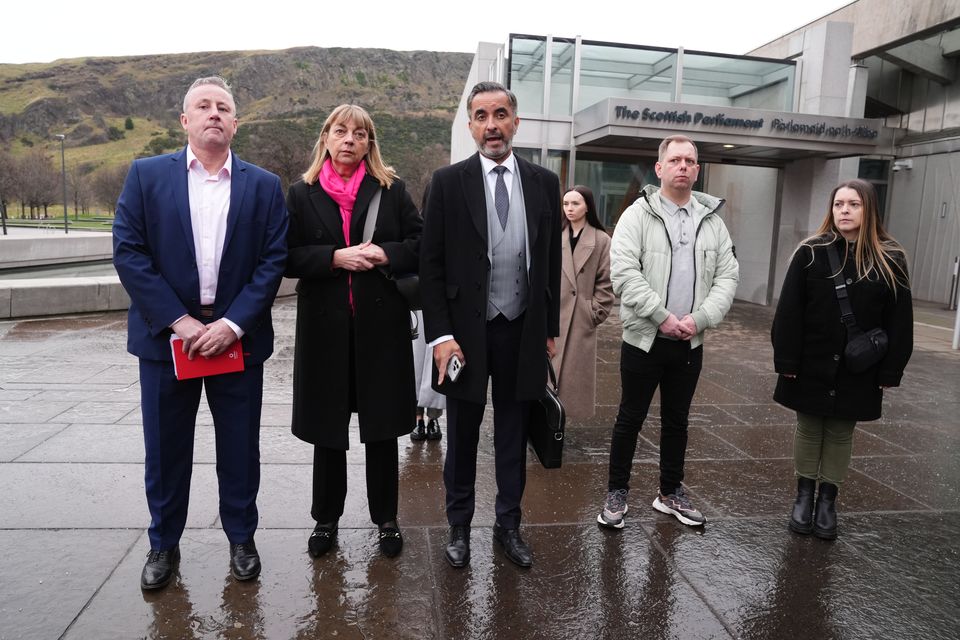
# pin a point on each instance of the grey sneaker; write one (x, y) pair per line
(677, 504)
(614, 508)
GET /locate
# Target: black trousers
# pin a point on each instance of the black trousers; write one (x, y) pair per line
(675, 368)
(330, 481)
(509, 434)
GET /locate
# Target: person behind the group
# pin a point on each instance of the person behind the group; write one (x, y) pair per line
(673, 265)
(430, 404)
(809, 338)
(586, 298)
(199, 244)
(352, 351)
(490, 279)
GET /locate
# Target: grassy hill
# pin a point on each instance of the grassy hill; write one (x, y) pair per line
(282, 99)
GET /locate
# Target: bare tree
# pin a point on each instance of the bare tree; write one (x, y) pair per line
(281, 147)
(417, 167)
(107, 185)
(80, 187)
(8, 186)
(39, 181)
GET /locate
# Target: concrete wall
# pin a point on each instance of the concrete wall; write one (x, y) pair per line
(54, 249)
(57, 296)
(878, 22)
(749, 213)
(807, 185)
(487, 65)
(60, 296)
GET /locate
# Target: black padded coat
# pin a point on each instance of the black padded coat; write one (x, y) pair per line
(809, 337)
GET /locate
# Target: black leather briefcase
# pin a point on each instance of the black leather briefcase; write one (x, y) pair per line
(546, 424)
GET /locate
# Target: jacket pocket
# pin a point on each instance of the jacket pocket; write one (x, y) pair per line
(452, 291)
(708, 260)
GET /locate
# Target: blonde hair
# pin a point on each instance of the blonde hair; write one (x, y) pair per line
(360, 119)
(875, 250)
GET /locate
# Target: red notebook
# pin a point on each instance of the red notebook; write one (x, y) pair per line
(230, 361)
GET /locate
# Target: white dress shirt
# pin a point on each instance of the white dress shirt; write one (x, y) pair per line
(209, 197)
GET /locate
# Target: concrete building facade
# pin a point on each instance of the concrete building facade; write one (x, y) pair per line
(868, 91)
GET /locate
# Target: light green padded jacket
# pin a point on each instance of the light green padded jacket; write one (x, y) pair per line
(640, 260)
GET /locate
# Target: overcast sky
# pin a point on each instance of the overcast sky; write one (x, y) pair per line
(37, 31)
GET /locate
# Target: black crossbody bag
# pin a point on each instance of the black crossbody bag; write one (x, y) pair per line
(864, 348)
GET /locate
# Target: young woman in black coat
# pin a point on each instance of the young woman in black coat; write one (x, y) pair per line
(809, 339)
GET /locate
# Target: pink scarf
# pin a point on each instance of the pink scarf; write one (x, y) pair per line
(344, 193)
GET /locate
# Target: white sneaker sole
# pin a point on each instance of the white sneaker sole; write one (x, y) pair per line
(610, 525)
(662, 508)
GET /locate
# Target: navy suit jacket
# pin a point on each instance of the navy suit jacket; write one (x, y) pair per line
(153, 252)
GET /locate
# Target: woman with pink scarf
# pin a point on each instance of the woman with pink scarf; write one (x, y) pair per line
(352, 350)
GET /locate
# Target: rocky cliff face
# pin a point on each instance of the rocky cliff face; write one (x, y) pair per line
(37, 100)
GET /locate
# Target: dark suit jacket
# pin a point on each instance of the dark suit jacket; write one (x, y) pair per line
(153, 252)
(454, 273)
(383, 359)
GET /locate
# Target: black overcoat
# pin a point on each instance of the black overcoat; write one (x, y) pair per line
(809, 337)
(454, 274)
(383, 363)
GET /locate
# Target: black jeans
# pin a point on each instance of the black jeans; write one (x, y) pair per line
(675, 368)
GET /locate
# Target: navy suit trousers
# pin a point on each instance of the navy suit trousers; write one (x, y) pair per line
(169, 417)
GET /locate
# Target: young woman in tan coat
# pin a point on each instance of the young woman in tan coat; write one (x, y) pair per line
(586, 298)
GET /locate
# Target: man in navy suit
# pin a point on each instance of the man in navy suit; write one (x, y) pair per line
(490, 285)
(199, 242)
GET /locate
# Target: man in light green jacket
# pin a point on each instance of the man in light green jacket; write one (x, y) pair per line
(673, 266)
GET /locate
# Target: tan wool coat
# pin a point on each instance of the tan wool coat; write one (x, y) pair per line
(586, 298)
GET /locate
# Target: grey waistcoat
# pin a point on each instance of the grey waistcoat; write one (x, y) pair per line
(507, 250)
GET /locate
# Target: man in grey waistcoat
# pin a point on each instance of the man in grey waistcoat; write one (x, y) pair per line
(490, 285)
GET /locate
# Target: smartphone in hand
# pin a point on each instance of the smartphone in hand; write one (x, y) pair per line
(454, 367)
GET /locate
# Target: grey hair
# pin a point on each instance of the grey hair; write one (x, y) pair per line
(216, 81)
(489, 87)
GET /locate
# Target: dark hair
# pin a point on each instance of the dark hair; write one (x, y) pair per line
(490, 87)
(875, 249)
(592, 218)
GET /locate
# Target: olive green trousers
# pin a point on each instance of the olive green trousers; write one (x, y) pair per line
(822, 447)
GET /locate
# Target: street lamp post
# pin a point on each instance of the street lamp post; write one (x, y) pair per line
(63, 176)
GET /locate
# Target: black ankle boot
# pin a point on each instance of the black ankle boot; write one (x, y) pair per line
(801, 520)
(825, 516)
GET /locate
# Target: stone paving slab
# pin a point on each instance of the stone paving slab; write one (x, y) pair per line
(73, 515)
(47, 583)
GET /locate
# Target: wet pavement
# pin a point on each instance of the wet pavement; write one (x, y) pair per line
(73, 515)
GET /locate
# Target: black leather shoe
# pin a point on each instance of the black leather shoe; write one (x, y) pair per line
(419, 432)
(825, 512)
(433, 430)
(391, 541)
(322, 538)
(801, 520)
(158, 570)
(513, 546)
(458, 549)
(244, 561)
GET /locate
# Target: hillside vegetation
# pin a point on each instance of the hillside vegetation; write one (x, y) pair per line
(113, 110)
